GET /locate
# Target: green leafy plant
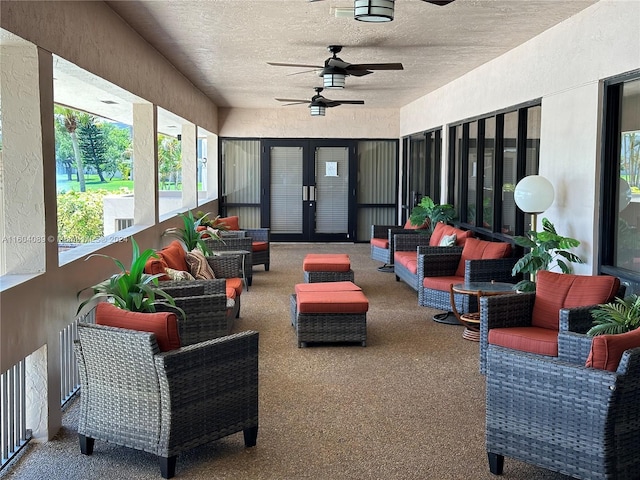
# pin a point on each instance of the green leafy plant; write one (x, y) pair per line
(131, 288)
(191, 236)
(621, 315)
(428, 209)
(547, 250)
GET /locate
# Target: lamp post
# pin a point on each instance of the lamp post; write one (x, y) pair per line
(533, 194)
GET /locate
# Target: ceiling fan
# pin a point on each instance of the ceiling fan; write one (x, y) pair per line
(318, 103)
(379, 10)
(335, 69)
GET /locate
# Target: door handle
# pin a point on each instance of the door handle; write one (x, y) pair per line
(305, 193)
(312, 193)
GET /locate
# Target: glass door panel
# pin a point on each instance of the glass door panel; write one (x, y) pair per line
(332, 190)
(286, 190)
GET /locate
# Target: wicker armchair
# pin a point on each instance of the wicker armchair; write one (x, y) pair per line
(440, 267)
(165, 403)
(208, 312)
(382, 242)
(407, 243)
(545, 331)
(261, 246)
(563, 416)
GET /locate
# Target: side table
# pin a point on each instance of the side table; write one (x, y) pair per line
(471, 321)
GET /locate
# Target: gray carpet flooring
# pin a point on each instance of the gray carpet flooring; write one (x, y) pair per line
(409, 405)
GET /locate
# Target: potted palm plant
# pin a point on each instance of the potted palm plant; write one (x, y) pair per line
(194, 232)
(547, 250)
(130, 288)
(620, 316)
(427, 209)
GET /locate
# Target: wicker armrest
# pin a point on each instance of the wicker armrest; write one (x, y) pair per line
(498, 269)
(216, 381)
(577, 319)
(574, 347)
(428, 249)
(188, 288)
(226, 266)
(258, 234)
(407, 242)
(512, 310)
(437, 264)
(381, 231)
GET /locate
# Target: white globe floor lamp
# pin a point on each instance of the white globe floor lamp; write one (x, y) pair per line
(534, 194)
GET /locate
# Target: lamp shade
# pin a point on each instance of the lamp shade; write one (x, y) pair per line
(373, 10)
(533, 194)
(333, 80)
(317, 110)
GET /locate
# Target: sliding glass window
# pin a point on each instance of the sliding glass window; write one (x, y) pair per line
(487, 157)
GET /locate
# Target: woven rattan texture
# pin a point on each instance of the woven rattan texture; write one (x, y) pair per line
(313, 277)
(328, 327)
(228, 244)
(562, 416)
(165, 403)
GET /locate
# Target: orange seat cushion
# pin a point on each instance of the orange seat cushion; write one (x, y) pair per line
(326, 262)
(259, 246)
(443, 229)
(476, 249)
(409, 260)
(231, 223)
(235, 283)
(164, 325)
(606, 350)
(380, 243)
(326, 287)
(561, 290)
(542, 341)
(441, 283)
(336, 302)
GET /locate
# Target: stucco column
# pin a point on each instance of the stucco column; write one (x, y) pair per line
(21, 172)
(189, 149)
(212, 167)
(145, 164)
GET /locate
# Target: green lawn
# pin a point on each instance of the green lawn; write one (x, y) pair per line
(92, 182)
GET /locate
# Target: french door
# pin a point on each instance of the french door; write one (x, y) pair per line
(310, 190)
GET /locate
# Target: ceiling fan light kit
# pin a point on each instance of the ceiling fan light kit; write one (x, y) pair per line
(333, 80)
(373, 10)
(317, 110)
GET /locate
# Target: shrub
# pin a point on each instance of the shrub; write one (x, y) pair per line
(81, 216)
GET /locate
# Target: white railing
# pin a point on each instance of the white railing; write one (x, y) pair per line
(13, 412)
(69, 378)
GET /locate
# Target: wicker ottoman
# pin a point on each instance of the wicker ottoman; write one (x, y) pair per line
(330, 316)
(327, 267)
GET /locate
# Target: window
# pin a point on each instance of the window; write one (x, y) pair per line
(422, 154)
(487, 157)
(620, 234)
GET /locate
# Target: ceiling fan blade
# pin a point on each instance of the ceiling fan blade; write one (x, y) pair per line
(350, 102)
(293, 65)
(358, 73)
(336, 62)
(440, 3)
(292, 101)
(304, 71)
(376, 66)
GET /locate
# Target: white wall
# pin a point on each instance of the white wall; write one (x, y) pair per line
(563, 66)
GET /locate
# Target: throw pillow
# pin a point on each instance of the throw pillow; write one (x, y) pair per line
(198, 265)
(178, 274)
(164, 325)
(606, 350)
(448, 240)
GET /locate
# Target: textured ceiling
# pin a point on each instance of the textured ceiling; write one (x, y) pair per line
(223, 46)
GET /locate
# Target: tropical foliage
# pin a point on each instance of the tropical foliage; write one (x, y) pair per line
(547, 250)
(428, 209)
(131, 288)
(80, 216)
(191, 236)
(621, 315)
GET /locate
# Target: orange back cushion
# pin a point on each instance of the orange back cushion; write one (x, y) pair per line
(163, 324)
(476, 249)
(606, 350)
(443, 229)
(560, 290)
(231, 223)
